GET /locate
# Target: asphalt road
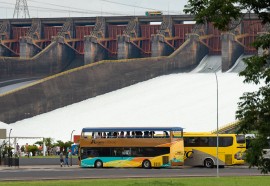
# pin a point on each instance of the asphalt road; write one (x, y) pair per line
(10, 85)
(74, 172)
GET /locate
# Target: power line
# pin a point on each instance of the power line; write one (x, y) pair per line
(83, 10)
(113, 2)
(135, 6)
(68, 11)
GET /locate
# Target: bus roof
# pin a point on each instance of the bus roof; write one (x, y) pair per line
(114, 129)
(203, 134)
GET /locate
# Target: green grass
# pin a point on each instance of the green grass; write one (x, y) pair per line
(205, 181)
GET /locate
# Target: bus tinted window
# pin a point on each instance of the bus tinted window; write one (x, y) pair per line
(225, 141)
(118, 151)
(240, 139)
(207, 141)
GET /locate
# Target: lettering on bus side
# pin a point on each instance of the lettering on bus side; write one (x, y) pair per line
(101, 142)
(97, 142)
(189, 154)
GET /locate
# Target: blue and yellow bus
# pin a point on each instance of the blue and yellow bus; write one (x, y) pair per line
(131, 147)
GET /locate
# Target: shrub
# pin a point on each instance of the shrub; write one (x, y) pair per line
(33, 149)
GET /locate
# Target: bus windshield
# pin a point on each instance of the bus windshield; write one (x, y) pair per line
(131, 147)
(240, 139)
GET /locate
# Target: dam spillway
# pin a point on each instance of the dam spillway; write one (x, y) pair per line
(80, 58)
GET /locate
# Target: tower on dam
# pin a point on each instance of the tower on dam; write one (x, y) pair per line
(21, 9)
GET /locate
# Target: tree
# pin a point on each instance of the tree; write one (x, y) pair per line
(63, 145)
(48, 142)
(40, 143)
(33, 149)
(222, 12)
(254, 107)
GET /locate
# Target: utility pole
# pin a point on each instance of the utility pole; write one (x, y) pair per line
(21, 9)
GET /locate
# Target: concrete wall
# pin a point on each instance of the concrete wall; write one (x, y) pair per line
(94, 79)
(43, 161)
(56, 57)
(4, 51)
(93, 51)
(27, 48)
(126, 50)
(159, 46)
(191, 52)
(231, 51)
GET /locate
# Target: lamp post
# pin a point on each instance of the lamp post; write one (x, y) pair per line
(217, 121)
(9, 149)
(71, 148)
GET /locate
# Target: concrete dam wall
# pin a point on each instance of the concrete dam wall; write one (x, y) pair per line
(54, 59)
(94, 79)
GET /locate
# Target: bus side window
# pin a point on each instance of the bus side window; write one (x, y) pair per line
(226, 141)
(166, 134)
(185, 141)
(146, 134)
(115, 134)
(212, 142)
(126, 152)
(152, 133)
(92, 153)
(121, 134)
(117, 151)
(203, 142)
(193, 142)
(128, 134)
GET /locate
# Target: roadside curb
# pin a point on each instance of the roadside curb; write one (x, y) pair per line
(38, 167)
(76, 167)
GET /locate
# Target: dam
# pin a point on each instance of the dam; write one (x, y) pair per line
(73, 59)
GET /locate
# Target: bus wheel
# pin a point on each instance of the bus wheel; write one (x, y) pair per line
(98, 164)
(208, 163)
(146, 164)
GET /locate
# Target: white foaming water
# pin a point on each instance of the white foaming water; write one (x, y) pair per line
(187, 100)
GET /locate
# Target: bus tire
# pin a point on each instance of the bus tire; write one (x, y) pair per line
(146, 164)
(208, 163)
(98, 164)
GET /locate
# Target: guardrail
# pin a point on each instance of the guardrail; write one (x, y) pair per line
(7, 161)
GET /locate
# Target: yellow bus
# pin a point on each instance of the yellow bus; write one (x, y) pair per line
(131, 147)
(153, 13)
(201, 149)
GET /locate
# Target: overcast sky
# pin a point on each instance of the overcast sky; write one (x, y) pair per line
(90, 8)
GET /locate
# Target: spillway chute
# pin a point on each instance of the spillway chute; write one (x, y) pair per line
(208, 64)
